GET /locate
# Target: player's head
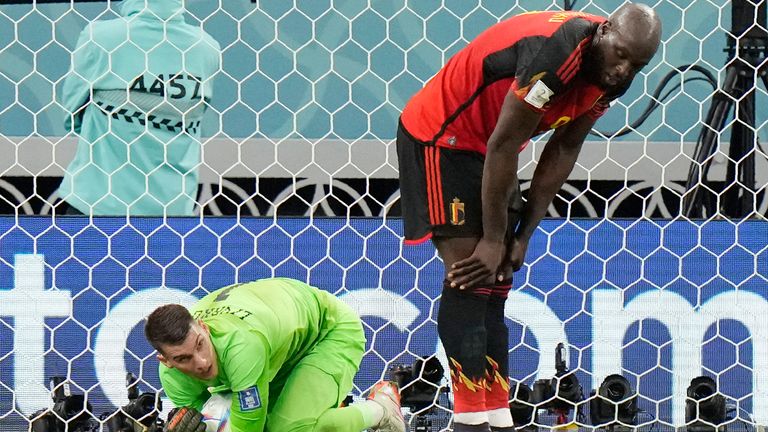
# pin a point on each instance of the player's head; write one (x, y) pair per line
(623, 45)
(182, 342)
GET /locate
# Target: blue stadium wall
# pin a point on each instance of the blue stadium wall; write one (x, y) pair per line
(659, 302)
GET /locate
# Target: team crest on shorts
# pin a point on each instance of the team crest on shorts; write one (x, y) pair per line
(249, 399)
(457, 212)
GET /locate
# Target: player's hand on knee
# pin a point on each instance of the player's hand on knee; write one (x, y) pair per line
(480, 267)
(185, 419)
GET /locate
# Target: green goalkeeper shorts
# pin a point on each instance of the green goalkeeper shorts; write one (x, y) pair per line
(323, 378)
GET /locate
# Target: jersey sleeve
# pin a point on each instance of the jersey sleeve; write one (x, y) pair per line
(183, 390)
(244, 364)
(547, 64)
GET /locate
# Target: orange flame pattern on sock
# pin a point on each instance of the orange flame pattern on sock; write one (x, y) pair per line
(468, 394)
(497, 390)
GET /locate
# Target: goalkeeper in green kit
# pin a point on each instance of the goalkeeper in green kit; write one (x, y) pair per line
(287, 351)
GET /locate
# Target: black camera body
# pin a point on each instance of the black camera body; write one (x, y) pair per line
(141, 413)
(71, 413)
(419, 383)
(560, 393)
(614, 403)
(522, 405)
(705, 409)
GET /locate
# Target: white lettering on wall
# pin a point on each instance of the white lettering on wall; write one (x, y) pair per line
(687, 327)
(545, 326)
(29, 304)
(382, 304)
(110, 347)
(393, 308)
(751, 310)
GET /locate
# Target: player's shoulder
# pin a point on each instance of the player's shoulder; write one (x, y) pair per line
(568, 34)
(276, 283)
(581, 24)
(559, 21)
(540, 27)
(554, 17)
(180, 388)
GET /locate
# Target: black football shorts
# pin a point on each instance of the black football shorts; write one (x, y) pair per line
(440, 191)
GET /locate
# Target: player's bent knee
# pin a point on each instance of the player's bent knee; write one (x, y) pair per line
(290, 425)
(331, 420)
(295, 427)
(324, 427)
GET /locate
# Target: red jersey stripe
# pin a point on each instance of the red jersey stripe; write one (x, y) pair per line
(440, 210)
(571, 72)
(434, 186)
(428, 165)
(575, 57)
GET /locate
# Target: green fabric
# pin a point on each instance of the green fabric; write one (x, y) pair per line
(300, 346)
(371, 412)
(153, 70)
(348, 419)
(307, 400)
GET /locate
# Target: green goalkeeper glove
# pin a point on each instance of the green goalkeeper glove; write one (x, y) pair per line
(185, 419)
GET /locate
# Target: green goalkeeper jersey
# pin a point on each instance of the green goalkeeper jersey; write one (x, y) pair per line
(260, 331)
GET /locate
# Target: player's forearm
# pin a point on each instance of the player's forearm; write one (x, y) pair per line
(515, 126)
(555, 165)
(499, 181)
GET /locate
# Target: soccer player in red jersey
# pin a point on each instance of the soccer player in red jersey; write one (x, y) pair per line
(458, 143)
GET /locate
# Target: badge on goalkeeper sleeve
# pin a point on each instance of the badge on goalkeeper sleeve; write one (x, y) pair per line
(185, 419)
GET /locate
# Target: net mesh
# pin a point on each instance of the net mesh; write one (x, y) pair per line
(652, 267)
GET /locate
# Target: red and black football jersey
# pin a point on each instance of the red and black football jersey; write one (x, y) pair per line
(536, 55)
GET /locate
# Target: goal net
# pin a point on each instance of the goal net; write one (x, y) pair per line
(651, 265)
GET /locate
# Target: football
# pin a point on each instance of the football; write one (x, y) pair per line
(216, 412)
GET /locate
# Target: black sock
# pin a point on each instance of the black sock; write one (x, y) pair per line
(498, 348)
(461, 326)
(498, 342)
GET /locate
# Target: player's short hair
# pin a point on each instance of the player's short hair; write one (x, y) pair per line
(168, 325)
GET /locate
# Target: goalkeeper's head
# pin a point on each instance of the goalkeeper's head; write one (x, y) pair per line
(182, 342)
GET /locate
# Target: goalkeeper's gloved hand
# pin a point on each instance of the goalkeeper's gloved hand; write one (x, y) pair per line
(185, 419)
